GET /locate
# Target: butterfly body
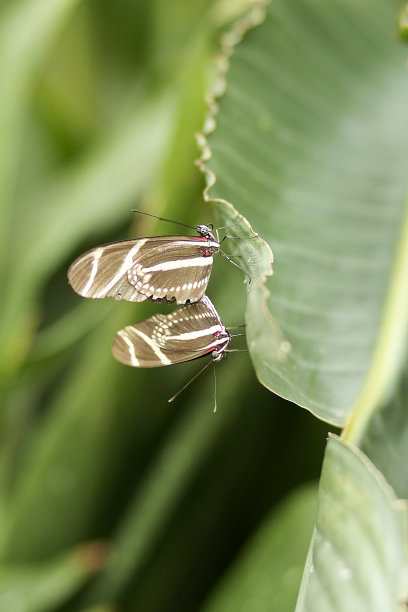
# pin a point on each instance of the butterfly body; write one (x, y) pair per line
(188, 333)
(162, 268)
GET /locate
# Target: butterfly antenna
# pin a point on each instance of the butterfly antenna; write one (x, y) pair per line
(189, 382)
(237, 351)
(163, 219)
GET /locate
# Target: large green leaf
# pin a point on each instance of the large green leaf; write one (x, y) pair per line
(357, 559)
(310, 147)
(385, 440)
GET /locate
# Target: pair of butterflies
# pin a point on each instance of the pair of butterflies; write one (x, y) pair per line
(160, 269)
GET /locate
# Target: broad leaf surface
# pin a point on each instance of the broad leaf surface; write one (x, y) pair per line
(357, 559)
(310, 148)
(385, 440)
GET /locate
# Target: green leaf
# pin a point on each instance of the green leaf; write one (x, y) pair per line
(180, 455)
(27, 30)
(385, 440)
(267, 573)
(46, 585)
(309, 148)
(357, 559)
(403, 23)
(67, 458)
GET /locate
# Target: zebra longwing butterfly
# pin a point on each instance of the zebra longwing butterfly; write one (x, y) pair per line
(160, 269)
(190, 332)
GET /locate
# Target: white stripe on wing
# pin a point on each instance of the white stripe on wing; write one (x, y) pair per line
(161, 356)
(195, 334)
(175, 264)
(132, 357)
(97, 254)
(127, 262)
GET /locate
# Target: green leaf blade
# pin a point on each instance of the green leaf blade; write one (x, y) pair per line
(308, 147)
(357, 560)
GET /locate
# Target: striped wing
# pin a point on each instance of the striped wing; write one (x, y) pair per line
(163, 268)
(189, 332)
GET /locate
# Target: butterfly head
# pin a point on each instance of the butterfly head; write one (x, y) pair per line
(219, 354)
(223, 338)
(206, 231)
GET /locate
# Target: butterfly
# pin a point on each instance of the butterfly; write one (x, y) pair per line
(160, 269)
(190, 332)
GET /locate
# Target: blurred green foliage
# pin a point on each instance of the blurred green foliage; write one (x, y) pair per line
(99, 105)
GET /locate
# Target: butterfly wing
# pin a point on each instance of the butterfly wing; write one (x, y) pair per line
(176, 270)
(102, 272)
(160, 268)
(189, 332)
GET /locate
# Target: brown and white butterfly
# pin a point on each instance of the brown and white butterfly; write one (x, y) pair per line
(190, 332)
(161, 268)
